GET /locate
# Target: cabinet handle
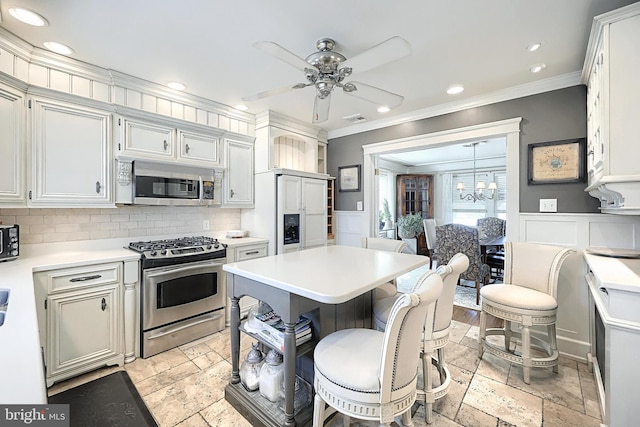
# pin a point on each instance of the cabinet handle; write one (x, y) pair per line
(186, 148)
(604, 290)
(165, 144)
(85, 278)
(98, 187)
(104, 304)
(231, 193)
(252, 253)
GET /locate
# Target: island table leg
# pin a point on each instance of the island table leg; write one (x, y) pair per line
(235, 340)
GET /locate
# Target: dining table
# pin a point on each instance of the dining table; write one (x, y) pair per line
(491, 242)
(297, 283)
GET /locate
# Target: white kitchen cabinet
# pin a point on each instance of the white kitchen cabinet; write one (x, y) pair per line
(166, 140)
(611, 74)
(71, 155)
(12, 147)
(238, 184)
(80, 318)
(244, 252)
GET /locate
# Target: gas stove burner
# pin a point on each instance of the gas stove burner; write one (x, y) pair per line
(182, 247)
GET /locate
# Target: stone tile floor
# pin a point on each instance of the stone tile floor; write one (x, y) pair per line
(185, 387)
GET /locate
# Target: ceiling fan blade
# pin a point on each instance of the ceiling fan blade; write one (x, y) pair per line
(376, 95)
(389, 50)
(274, 49)
(273, 92)
(321, 109)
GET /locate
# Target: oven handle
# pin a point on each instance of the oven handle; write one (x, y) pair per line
(200, 319)
(200, 198)
(183, 270)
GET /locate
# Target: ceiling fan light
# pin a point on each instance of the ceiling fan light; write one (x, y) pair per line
(349, 87)
(383, 109)
(28, 17)
(455, 89)
(58, 48)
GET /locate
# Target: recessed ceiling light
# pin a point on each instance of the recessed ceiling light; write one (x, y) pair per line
(383, 109)
(58, 48)
(28, 17)
(176, 85)
(537, 68)
(241, 107)
(455, 89)
(533, 47)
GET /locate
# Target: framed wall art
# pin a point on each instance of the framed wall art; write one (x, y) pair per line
(557, 161)
(349, 178)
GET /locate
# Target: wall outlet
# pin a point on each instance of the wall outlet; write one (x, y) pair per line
(548, 205)
(359, 205)
(205, 224)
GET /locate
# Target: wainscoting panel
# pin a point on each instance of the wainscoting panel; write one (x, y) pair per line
(351, 228)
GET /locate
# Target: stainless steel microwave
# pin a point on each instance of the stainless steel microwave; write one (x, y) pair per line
(168, 184)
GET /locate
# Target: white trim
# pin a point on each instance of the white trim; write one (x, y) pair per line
(528, 89)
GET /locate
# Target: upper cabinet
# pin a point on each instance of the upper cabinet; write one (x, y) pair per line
(284, 143)
(71, 155)
(163, 140)
(611, 74)
(238, 184)
(12, 160)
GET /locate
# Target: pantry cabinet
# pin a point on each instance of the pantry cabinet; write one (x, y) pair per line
(12, 160)
(238, 185)
(71, 155)
(80, 318)
(611, 74)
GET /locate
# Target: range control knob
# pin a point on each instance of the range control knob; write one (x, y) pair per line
(208, 246)
(216, 245)
(163, 252)
(153, 253)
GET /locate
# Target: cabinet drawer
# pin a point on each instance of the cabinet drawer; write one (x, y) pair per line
(250, 252)
(88, 276)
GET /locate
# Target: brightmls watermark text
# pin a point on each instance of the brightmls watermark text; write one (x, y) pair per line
(34, 415)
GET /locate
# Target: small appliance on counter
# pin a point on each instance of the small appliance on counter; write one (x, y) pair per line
(236, 234)
(9, 242)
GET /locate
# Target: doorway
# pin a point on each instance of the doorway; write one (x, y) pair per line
(509, 129)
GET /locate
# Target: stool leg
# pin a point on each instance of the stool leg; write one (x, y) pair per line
(482, 333)
(551, 331)
(507, 335)
(428, 385)
(406, 418)
(318, 411)
(526, 354)
(441, 364)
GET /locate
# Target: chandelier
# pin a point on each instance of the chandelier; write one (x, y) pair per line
(479, 186)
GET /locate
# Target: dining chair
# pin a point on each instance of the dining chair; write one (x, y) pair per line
(459, 238)
(439, 335)
(527, 298)
(372, 375)
(430, 236)
(390, 245)
(492, 226)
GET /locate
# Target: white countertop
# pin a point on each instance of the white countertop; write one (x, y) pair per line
(615, 273)
(328, 274)
(20, 355)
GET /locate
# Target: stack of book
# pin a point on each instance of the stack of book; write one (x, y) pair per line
(272, 330)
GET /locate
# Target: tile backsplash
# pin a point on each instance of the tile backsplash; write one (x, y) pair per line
(62, 225)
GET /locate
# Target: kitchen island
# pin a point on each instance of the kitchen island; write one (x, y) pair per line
(297, 283)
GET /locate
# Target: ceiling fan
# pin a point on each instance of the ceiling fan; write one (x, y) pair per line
(325, 71)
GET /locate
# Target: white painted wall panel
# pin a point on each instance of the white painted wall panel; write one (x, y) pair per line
(6, 62)
(59, 80)
(38, 75)
(81, 86)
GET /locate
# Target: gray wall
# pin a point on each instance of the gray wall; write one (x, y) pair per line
(549, 116)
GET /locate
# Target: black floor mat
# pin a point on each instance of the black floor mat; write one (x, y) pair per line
(108, 401)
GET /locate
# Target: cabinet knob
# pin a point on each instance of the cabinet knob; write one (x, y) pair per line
(231, 193)
(165, 144)
(104, 304)
(98, 187)
(186, 148)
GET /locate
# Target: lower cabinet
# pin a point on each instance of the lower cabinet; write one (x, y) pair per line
(80, 316)
(242, 253)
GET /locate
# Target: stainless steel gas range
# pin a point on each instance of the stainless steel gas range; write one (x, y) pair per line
(182, 293)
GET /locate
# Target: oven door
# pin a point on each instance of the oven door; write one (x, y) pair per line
(175, 293)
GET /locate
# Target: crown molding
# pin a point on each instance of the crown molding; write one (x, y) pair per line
(539, 86)
(273, 118)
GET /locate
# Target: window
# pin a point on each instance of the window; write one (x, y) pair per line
(467, 211)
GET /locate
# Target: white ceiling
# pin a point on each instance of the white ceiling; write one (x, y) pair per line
(207, 44)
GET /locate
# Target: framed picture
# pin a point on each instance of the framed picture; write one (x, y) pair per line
(349, 178)
(557, 161)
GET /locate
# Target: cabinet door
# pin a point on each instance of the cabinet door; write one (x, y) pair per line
(314, 195)
(239, 183)
(83, 328)
(197, 148)
(12, 160)
(71, 155)
(147, 140)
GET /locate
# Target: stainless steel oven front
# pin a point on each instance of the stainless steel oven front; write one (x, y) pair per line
(181, 303)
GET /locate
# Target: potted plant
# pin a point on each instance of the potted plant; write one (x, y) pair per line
(386, 214)
(410, 225)
(381, 219)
